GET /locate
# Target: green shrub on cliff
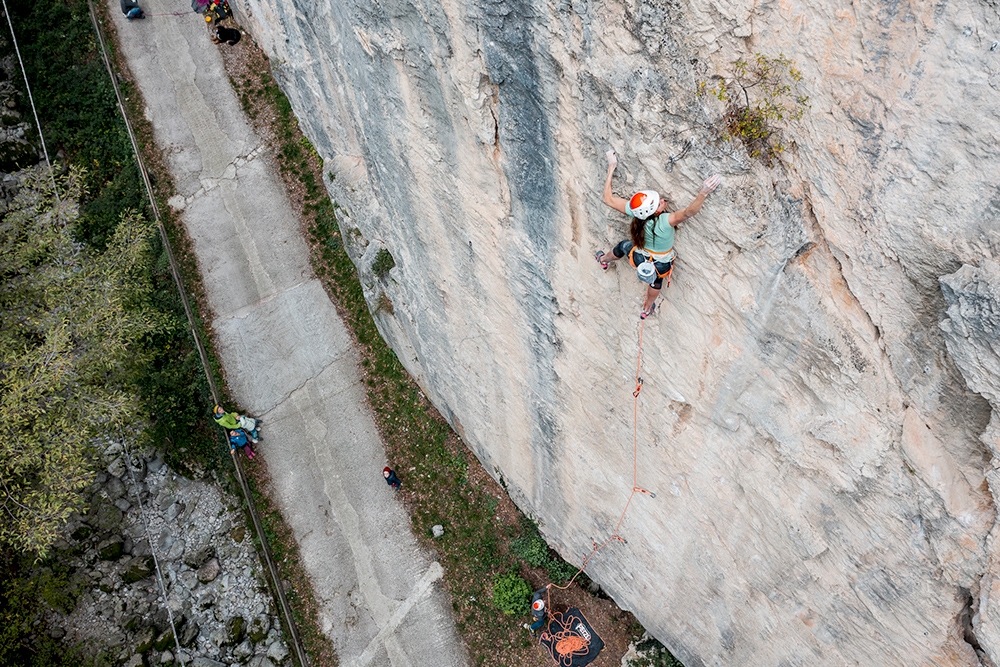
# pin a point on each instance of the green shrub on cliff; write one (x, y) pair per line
(759, 96)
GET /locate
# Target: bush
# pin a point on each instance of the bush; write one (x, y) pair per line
(755, 119)
(383, 262)
(532, 549)
(511, 593)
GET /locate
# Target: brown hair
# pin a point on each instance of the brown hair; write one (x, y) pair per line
(637, 231)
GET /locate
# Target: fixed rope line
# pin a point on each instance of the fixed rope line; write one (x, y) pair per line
(272, 568)
(152, 548)
(31, 99)
(615, 536)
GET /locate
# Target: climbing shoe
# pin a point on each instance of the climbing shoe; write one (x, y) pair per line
(646, 313)
(597, 256)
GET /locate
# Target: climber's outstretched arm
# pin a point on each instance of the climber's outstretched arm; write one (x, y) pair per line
(616, 203)
(689, 211)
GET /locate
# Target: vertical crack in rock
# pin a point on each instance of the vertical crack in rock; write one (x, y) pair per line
(972, 330)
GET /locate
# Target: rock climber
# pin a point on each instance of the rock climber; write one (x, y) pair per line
(538, 611)
(234, 420)
(651, 232)
(391, 479)
(238, 439)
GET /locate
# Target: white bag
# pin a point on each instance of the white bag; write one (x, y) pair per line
(247, 423)
(646, 272)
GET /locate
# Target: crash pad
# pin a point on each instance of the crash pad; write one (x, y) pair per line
(571, 640)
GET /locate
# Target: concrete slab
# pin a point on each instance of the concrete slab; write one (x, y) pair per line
(288, 356)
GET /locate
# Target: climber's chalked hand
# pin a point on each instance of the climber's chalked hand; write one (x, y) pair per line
(612, 159)
(711, 183)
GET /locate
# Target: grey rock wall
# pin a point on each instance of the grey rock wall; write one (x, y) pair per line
(813, 436)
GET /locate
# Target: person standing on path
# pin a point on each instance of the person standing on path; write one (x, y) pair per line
(538, 611)
(238, 440)
(651, 232)
(390, 478)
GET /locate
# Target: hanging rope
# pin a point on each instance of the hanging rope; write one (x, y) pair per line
(635, 479)
(31, 99)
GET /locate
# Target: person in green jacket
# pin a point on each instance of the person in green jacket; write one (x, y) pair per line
(233, 420)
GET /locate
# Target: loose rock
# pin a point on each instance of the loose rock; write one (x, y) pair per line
(209, 571)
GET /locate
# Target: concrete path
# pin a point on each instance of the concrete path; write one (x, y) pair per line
(288, 356)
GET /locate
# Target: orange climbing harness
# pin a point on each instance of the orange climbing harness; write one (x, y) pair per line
(656, 258)
(635, 480)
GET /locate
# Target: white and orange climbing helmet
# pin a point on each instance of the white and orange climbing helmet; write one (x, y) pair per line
(538, 605)
(644, 203)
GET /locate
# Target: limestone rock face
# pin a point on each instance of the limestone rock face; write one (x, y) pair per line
(813, 437)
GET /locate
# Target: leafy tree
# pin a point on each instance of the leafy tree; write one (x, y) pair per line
(68, 320)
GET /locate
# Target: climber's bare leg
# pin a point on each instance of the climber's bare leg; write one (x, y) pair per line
(608, 257)
(651, 295)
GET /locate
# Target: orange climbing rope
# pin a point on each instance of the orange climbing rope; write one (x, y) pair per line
(635, 478)
(567, 643)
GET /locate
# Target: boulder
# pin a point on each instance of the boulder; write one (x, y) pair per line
(189, 634)
(117, 467)
(136, 660)
(277, 652)
(144, 639)
(167, 658)
(243, 651)
(209, 571)
(235, 629)
(173, 511)
(159, 617)
(238, 533)
(260, 661)
(258, 629)
(104, 516)
(82, 532)
(164, 641)
(111, 548)
(175, 551)
(195, 556)
(114, 488)
(138, 568)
